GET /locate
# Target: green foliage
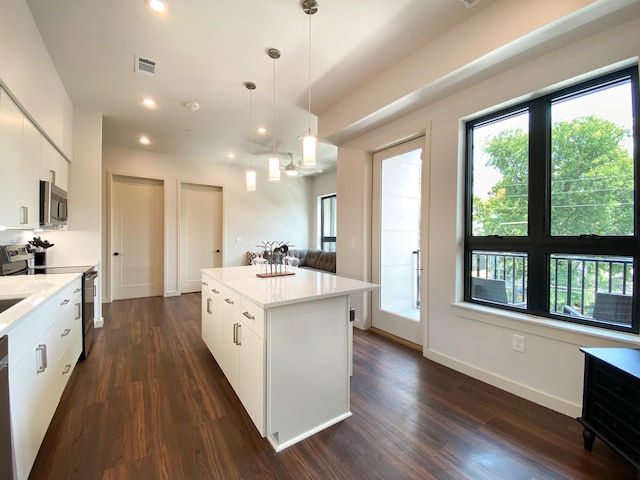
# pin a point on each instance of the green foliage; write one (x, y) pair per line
(591, 181)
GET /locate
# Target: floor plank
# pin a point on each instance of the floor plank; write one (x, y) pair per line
(152, 403)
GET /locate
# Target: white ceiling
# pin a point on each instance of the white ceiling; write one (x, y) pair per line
(207, 49)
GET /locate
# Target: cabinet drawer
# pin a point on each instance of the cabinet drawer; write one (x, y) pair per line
(615, 384)
(615, 424)
(231, 301)
(252, 316)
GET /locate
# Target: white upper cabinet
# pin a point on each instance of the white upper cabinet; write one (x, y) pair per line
(53, 166)
(19, 159)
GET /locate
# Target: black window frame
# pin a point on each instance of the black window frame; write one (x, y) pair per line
(539, 244)
(326, 239)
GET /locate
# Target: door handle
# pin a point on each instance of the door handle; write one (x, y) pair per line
(115, 254)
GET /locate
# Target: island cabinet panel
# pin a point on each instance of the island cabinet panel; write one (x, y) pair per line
(286, 347)
(308, 368)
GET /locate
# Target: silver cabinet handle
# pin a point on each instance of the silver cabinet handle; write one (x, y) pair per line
(235, 333)
(66, 332)
(205, 284)
(65, 302)
(229, 301)
(24, 215)
(248, 315)
(67, 367)
(215, 291)
(78, 311)
(41, 354)
(209, 305)
(238, 335)
(77, 290)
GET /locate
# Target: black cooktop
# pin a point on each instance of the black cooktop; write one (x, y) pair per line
(49, 270)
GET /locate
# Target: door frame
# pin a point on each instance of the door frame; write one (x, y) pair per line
(179, 185)
(425, 200)
(108, 228)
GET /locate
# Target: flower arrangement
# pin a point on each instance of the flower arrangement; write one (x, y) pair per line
(40, 245)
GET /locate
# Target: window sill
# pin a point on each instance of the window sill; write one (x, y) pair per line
(581, 335)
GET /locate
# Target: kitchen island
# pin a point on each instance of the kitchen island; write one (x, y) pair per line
(284, 344)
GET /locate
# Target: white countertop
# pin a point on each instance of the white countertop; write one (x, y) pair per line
(35, 288)
(271, 292)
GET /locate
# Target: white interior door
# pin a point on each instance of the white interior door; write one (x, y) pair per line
(200, 233)
(137, 237)
(396, 215)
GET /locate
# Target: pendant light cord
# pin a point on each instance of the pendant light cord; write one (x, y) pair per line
(310, 15)
(274, 107)
(250, 128)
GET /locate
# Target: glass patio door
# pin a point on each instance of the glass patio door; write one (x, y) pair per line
(396, 219)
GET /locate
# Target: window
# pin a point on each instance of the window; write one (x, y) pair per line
(551, 220)
(328, 223)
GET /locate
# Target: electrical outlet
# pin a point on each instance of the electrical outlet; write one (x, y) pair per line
(517, 343)
(238, 239)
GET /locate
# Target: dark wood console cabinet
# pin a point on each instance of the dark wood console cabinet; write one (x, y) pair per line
(611, 400)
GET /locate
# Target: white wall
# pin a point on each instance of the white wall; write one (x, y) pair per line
(275, 211)
(477, 341)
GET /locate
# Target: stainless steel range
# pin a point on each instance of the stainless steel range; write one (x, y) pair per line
(18, 259)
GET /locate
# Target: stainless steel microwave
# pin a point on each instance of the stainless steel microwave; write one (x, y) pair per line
(53, 205)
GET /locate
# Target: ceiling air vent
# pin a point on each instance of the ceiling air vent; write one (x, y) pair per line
(146, 66)
(469, 3)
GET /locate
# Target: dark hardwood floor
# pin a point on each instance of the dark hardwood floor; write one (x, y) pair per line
(151, 403)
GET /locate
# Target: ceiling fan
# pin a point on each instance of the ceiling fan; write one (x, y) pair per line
(293, 169)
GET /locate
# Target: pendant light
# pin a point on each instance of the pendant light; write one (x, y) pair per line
(309, 140)
(250, 173)
(273, 174)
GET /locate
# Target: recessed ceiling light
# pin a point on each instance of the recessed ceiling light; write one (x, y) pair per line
(144, 140)
(231, 155)
(149, 102)
(262, 130)
(159, 6)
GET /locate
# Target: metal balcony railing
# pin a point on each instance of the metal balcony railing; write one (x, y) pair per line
(574, 280)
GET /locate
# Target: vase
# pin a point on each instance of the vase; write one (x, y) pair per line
(40, 258)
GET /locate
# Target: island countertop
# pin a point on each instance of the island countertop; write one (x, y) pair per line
(273, 292)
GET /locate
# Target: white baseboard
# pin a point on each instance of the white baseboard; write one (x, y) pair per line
(524, 391)
(172, 293)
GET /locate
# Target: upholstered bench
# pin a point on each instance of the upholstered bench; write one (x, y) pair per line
(308, 258)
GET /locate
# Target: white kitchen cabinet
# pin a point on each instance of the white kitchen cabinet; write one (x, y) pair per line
(53, 166)
(19, 159)
(230, 351)
(43, 350)
(252, 375)
(232, 339)
(212, 315)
